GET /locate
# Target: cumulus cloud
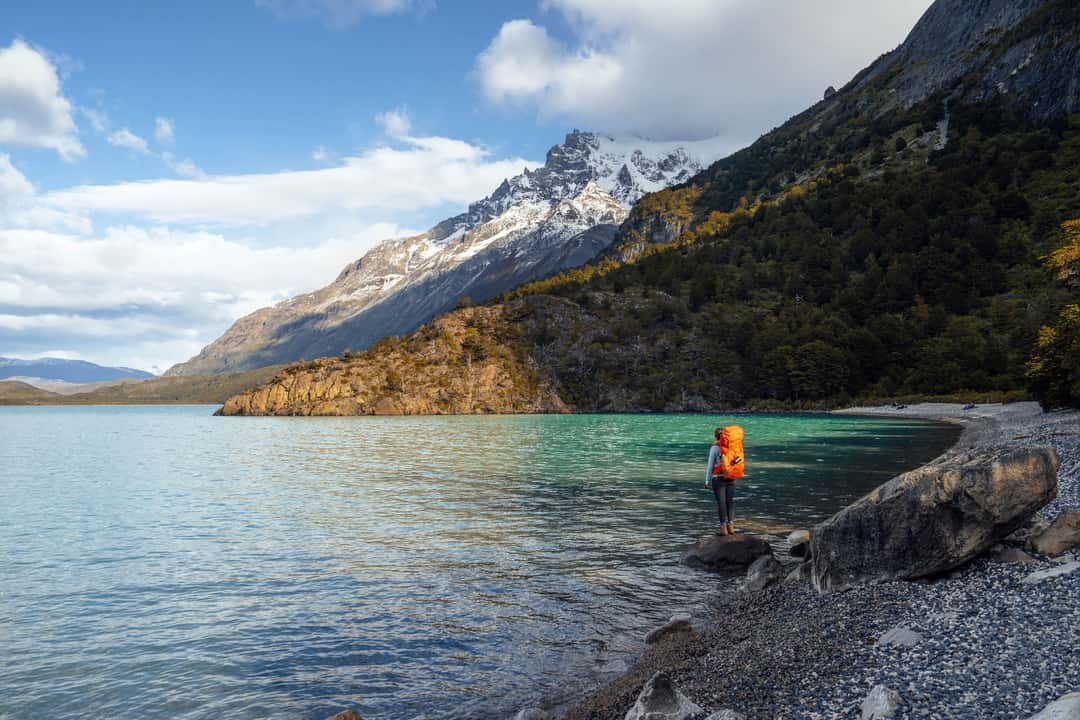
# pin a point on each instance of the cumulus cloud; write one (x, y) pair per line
(340, 13)
(423, 172)
(128, 290)
(394, 123)
(33, 110)
(687, 68)
(163, 130)
(124, 138)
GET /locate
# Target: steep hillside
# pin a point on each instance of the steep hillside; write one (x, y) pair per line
(884, 242)
(534, 224)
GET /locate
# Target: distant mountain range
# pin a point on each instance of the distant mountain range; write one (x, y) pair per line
(534, 224)
(69, 371)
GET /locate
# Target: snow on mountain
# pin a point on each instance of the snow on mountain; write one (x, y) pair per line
(536, 223)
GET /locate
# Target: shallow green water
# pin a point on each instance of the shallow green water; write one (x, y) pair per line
(160, 562)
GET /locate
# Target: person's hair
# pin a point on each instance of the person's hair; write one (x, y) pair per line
(718, 433)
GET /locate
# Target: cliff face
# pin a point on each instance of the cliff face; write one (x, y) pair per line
(463, 363)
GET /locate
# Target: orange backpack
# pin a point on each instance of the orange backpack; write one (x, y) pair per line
(732, 459)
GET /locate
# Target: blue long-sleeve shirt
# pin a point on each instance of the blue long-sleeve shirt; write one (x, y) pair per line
(714, 460)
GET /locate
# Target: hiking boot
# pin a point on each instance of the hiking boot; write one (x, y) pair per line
(721, 531)
(731, 528)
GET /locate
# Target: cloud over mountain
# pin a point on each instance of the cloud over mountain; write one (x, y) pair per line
(686, 68)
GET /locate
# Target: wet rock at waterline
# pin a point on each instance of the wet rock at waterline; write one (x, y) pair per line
(661, 700)
(934, 518)
(763, 572)
(346, 715)
(678, 623)
(1062, 535)
(729, 553)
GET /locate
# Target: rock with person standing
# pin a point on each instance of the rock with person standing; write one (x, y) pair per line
(934, 518)
(726, 553)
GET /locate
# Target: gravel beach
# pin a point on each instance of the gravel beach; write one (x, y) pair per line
(986, 640)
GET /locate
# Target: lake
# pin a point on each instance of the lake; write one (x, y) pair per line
(163, 563)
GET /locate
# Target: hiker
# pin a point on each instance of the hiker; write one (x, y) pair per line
(726, 465)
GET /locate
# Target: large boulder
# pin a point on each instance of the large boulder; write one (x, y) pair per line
(661, 700)
(1062, 535)
(730, 553)
(934, 518)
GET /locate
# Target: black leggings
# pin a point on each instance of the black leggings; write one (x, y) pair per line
(724, 490)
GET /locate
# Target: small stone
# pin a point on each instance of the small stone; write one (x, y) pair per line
(531, 714)
(900, 636)
(661, 700)
(1062, 535)
(726, 715)
(800, 543)
(1012, 555)
(346, 715)
(881, 702)
(763, 572)
(1041, 575)
(1067, 707)
(678, 623)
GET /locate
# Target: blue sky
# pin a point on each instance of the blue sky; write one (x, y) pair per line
(168, 167)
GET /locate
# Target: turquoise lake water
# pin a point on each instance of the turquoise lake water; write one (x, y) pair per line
(163, 563)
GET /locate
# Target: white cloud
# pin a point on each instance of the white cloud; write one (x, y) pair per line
(136, 293)
(33, 110)
(184, 168)
(394, 123)
(321, 154)
(152, 293)
(97, 118)
(340, 13)
(688, 68)
(124, 138)
(163, 130)
(425, 172)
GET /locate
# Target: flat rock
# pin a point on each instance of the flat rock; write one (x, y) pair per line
(882, 702)
(1062, 535)
(679, 623)
(900, 636)
(934, 518)
(1067, 707)
(661, 700)
(763, 572)
(1042, 575)
(725, 553)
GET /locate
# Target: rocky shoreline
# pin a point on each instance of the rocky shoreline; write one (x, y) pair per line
(996, 638)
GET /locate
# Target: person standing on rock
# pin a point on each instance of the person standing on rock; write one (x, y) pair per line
(726, 465)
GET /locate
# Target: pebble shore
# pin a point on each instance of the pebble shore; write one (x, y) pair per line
(987, 644)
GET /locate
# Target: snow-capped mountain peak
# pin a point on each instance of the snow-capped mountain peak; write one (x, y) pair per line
(535, 223)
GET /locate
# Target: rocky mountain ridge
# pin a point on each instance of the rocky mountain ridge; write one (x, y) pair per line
(536, 223)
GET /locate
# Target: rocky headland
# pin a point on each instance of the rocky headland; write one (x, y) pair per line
(992, 630)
